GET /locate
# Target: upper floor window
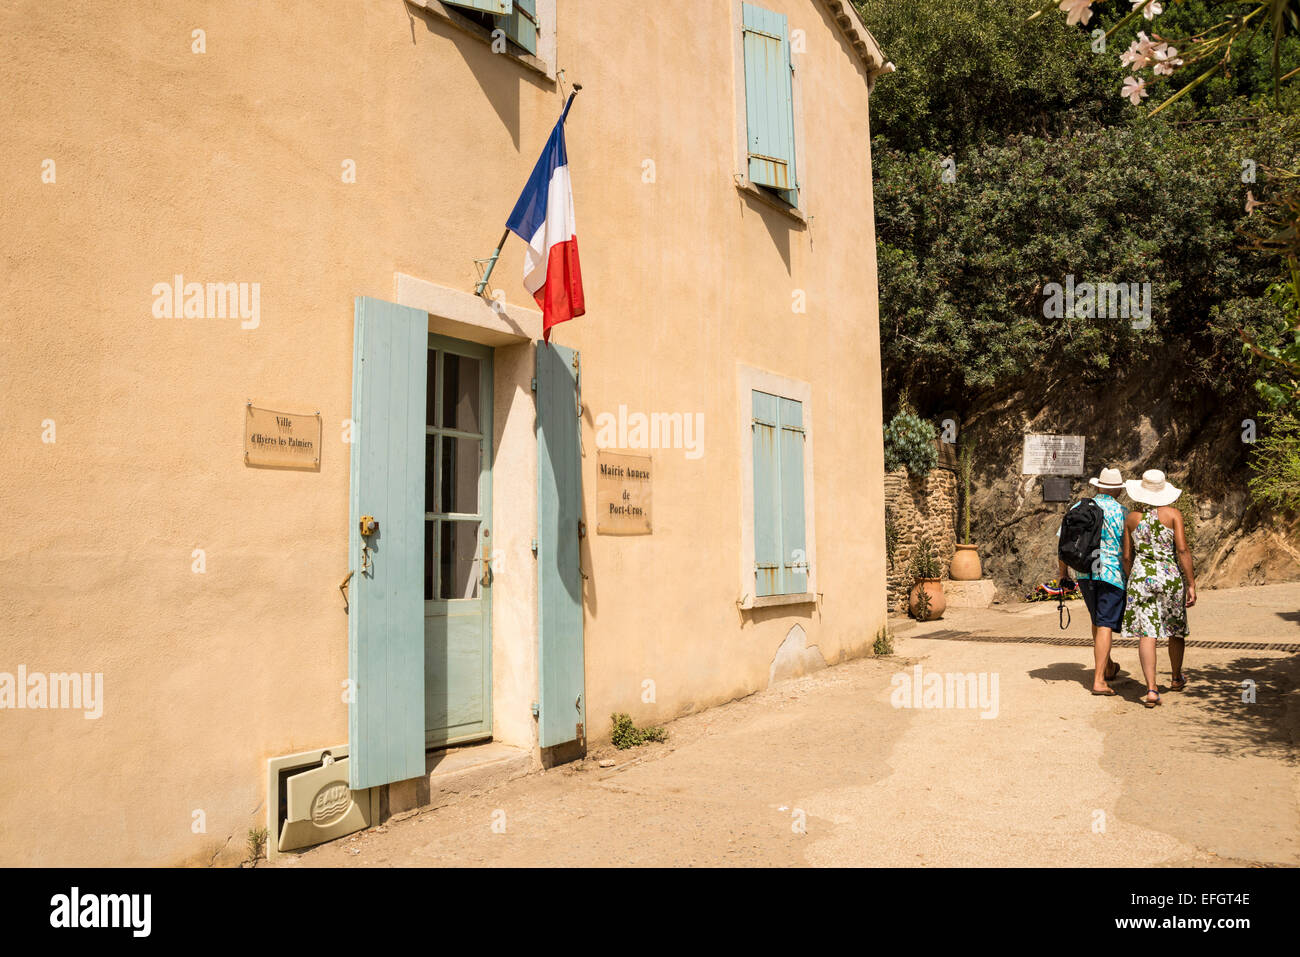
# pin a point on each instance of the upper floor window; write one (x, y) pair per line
(523, 30)
(769, 103)
(516, 19)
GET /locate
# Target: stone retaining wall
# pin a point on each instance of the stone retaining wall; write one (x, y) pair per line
(920, 507)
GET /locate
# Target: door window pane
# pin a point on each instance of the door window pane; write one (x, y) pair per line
(459, 568)
(428, 560)
(460, 472)
(460, 393)
(431, 387)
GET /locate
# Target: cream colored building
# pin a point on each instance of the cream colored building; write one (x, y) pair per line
(173, 621)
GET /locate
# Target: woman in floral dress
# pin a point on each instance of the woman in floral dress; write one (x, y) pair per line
(1161, 583)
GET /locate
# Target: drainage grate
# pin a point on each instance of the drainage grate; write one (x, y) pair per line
(1117, 642)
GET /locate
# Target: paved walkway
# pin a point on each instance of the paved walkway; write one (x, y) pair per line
(824, 770)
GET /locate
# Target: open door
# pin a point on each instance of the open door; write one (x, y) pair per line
(562, 704)
(386, 617)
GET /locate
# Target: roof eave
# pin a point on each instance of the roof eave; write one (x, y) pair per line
(859, 37)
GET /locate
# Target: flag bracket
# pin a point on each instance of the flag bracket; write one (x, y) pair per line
(491, 264)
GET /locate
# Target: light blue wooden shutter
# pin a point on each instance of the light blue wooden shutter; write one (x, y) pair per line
(794, 559)
(487, 6)
(767, 495)
(521, 25)
(386, 613)
(562, 701)
(769, 101)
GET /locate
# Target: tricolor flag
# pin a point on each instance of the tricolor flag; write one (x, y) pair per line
(543, 218)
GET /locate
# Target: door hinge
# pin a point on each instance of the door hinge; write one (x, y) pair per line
(533, 384)
(535, 712)
(534, 548)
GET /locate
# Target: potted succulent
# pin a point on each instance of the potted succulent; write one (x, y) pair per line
(925, 602)
(965, 565)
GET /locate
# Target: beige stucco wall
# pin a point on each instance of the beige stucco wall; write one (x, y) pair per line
(226, 166)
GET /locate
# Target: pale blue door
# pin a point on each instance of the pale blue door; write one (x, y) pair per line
(562, 701)
(458, 548)
(387, 474)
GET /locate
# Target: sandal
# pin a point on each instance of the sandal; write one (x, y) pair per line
(1106, 694)
(1146, 699)
(1177, 684)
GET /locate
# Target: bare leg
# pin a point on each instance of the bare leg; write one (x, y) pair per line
(1176, 648)
(1101, 657)
(1147, 655)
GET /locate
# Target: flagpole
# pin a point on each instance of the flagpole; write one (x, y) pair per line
(496, 253)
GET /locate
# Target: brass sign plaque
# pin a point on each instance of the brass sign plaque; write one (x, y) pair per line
(281, 440)
(622, 494)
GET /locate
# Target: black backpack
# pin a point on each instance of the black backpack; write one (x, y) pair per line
(1080, 543)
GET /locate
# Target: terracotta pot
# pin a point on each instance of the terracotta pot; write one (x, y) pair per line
(965, 565)
(934, 588)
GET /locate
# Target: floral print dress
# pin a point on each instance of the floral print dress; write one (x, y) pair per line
(1157, 603)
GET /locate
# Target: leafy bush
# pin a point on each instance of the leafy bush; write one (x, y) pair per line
(891, 536)
(925, 563)
(884, 644)
(909, 443)
(627, 735)
(1275, 461)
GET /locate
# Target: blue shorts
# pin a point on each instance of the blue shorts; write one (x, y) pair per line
(1105, 603)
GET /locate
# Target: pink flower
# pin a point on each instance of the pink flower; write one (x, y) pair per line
(1141, 53)
(1167, 60)
(1079, 11)
(1151, 8)
(1134, 89)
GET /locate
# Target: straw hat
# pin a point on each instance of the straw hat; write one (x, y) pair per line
(1110, 480)
(1152, 489)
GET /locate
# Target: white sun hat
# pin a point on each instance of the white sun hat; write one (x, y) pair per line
(1110, 480)
(1152, 489)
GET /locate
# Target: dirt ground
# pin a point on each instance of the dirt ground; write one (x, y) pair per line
(825, 770)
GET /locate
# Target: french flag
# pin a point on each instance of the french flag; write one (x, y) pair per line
(543, 218)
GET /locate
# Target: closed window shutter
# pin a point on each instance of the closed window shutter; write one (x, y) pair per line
(767, 495)
(502, 7)
(794, 557)
(769, 101)
(521, 25)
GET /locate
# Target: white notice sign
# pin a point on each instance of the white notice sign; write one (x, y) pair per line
(1053, 455)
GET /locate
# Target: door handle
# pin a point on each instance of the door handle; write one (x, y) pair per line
(486, 561)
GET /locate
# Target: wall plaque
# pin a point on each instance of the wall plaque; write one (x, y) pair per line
(281, 440)
(622, 494)
(1052, 455)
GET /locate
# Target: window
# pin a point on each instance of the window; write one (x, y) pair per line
(517, 19)
(524, 30)
(780, 546)
(769, 103)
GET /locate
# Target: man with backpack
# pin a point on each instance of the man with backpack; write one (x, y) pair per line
(1091, 540)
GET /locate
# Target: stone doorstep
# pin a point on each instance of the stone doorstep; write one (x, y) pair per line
(455, 773)
(976, 594)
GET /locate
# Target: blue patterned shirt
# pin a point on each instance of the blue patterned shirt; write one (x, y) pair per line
(1112, 540)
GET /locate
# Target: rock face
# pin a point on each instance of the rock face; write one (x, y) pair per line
(920, 507)
(1131, 425)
